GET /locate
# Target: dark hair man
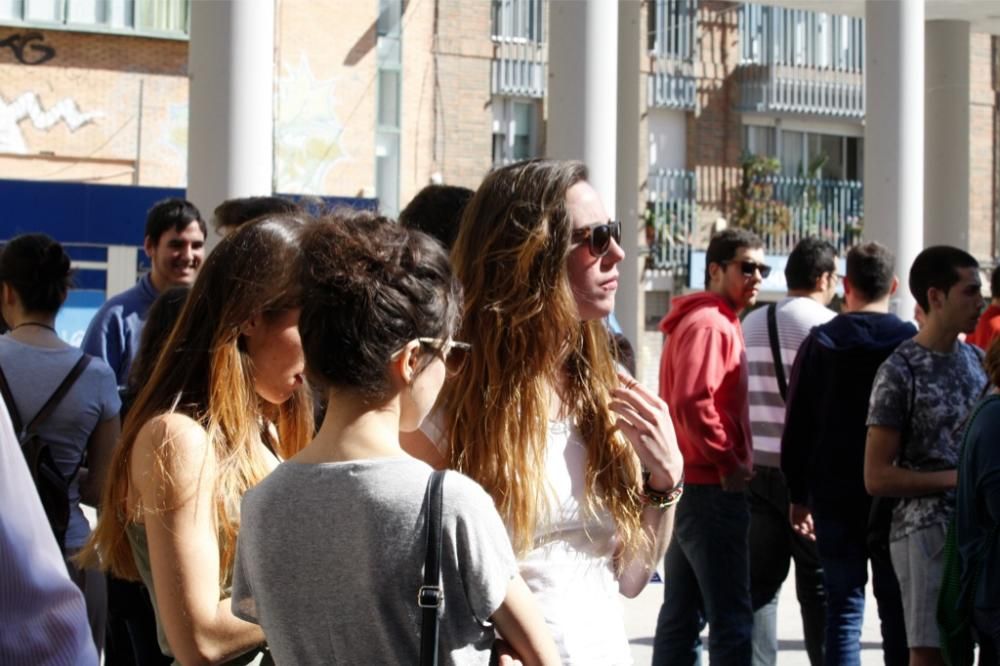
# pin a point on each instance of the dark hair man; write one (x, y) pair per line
(703, 378)
(231, 214)
(175, 244)
(919, 403)
(773, 335)
(823, 450)
(437, 211)
(988, 327)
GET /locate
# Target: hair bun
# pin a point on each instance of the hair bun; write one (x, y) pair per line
(55, 263)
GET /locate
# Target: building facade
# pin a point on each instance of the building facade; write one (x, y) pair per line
(749, 114)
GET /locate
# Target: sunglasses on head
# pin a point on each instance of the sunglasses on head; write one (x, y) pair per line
(599, 236)
(747, 268)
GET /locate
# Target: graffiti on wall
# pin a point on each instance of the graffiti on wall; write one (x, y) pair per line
(306, 130)
(32, 42)
(28, 106)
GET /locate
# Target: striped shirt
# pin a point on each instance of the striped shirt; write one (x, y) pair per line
(796, 316)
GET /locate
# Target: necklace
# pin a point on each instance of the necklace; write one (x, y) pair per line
(33, 323)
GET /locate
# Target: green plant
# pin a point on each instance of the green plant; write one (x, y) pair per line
(755, 207)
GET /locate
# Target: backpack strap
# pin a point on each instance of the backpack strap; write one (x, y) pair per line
(8, 397)
(60, 393)
(779, 365)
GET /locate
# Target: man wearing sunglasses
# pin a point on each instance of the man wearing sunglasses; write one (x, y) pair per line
(703, 378)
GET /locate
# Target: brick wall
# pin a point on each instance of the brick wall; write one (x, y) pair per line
(106, 108)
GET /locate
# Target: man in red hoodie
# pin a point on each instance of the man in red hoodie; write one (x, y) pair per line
(703, 378)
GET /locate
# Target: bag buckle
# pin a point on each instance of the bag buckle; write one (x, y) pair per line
(429, 596)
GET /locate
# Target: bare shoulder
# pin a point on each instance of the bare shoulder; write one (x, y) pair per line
(170, 454)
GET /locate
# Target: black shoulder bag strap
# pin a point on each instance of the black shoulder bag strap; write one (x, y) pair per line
(50, 404)
(779, 365)
(429, 597)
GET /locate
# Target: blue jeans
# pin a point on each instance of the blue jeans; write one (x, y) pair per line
(844, 554)
(707, 580)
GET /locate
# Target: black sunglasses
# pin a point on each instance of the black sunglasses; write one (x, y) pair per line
(599, 235)
(747, 268)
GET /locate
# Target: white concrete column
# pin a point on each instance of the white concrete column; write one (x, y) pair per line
(630, 301)
(946, 134)
(231, 123)
(583, 85)
(894, 134)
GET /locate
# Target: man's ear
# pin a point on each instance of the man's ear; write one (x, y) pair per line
(714, 269)
(895, 285)
(148, 245)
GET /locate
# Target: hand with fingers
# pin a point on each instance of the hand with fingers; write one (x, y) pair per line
(644, 419)
(802, 520)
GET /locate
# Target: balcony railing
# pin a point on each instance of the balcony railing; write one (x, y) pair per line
(670, 219)
(672, 42)
(800, 61)
(518, 66)
(800, 207)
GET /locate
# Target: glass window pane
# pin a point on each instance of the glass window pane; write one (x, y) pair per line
(161, 15)
(88, 12)
(388, 98)
(524, 130)
(11, 9)
(120, 13)
(791, 153)
(387, 172)
(833, 148)
(43, 10)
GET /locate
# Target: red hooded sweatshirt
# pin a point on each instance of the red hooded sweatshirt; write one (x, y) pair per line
(703, 379)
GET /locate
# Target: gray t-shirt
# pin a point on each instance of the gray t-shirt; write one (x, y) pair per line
(927, 396)
(33, 374)
(330, 559)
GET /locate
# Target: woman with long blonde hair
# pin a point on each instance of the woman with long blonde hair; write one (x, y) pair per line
(540, 416)
(226, 399)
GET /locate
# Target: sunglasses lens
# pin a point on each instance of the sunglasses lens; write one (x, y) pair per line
(455, 359)
(765, 271)
(600, 240)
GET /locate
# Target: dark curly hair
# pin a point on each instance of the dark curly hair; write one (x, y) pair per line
(38, 269)
(369, 286)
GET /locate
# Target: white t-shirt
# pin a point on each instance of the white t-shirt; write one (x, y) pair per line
(571, 568)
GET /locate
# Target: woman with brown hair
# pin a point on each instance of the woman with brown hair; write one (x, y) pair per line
(540, 417)
(225, 400)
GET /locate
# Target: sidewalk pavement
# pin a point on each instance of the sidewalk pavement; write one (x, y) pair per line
(640, 623)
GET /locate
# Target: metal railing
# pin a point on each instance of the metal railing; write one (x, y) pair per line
(671, 41)
(801, 61)
(518, 65)
(670, 219)
(800, 207)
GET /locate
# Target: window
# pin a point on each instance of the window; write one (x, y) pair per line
(517, 20)
(388, 65)
(153, 17)
(808, 154)
(515, 130)
(669, 28)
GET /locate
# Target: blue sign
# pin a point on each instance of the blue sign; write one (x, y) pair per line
(774, 283)
(76, 313)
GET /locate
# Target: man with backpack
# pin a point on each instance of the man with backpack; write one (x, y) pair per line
(823, 454)
(920, 401)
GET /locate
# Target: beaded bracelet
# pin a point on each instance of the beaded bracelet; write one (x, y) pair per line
(661, 499)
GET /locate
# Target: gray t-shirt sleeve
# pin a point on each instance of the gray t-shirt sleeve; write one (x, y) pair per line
(482, 549)
(111, 403)
(889, 405)
(244, 605)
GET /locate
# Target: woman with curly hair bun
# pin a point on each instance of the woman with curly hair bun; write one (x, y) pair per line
(539, 415)
(225, 400)
(333, 543)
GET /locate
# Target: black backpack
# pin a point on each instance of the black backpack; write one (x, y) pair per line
(53, 487)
